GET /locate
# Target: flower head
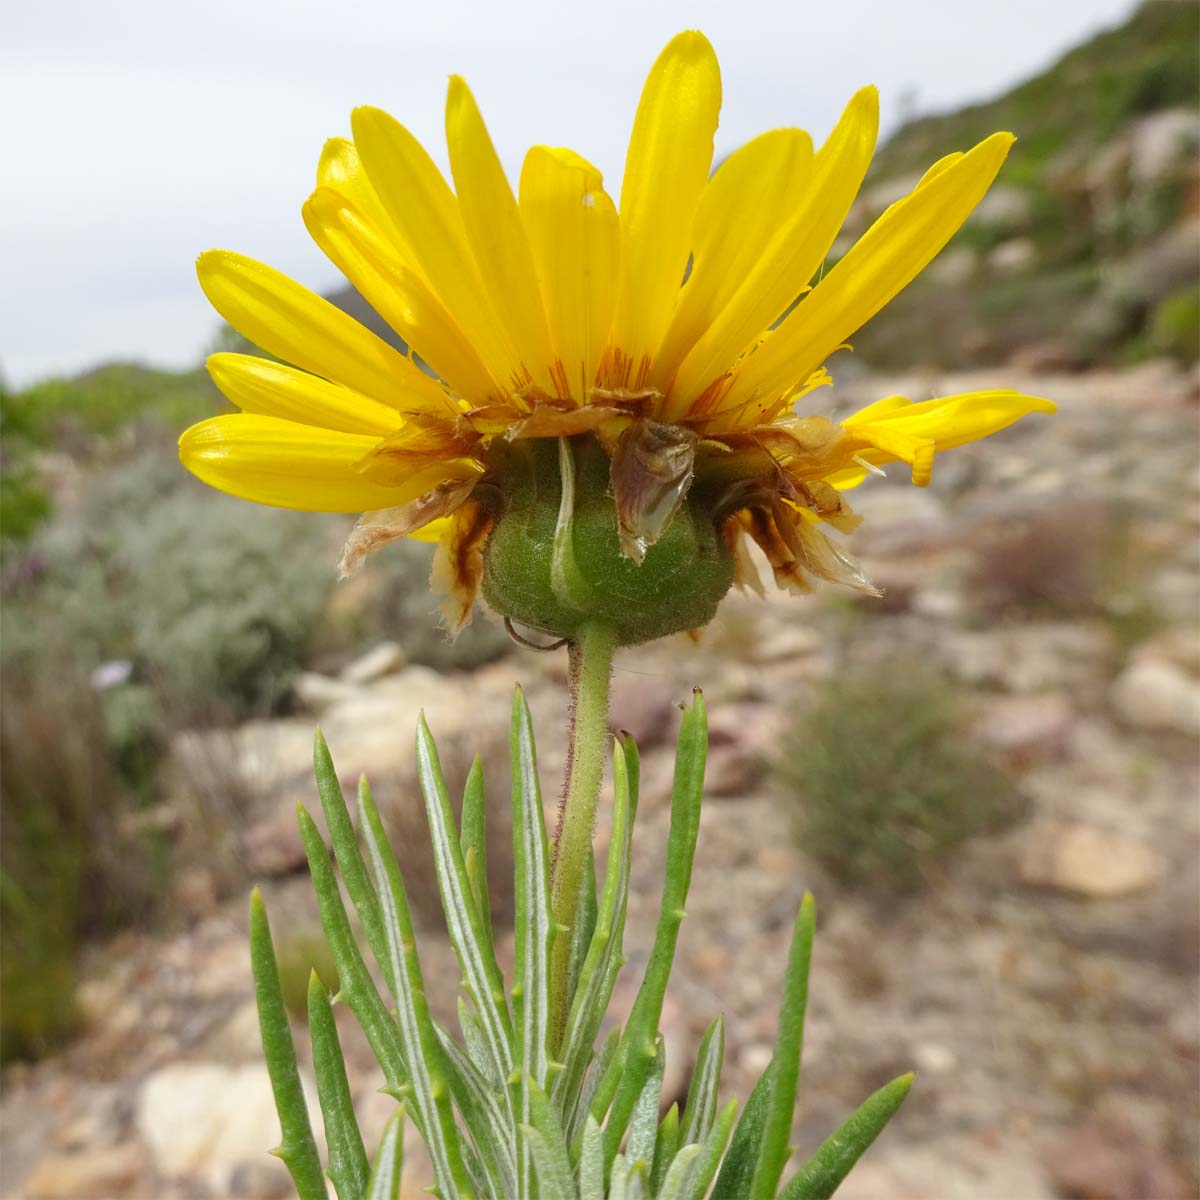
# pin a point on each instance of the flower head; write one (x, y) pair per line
(555, 313)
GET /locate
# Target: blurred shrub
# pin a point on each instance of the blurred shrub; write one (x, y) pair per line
(70, 865)
(1071, 558)
(883, 779)
(1175, 325)
(298, 954)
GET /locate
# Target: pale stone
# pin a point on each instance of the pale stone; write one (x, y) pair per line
(1012, 256)
(1086, 861)
(204, 1119)
(385, 659)
(1028, 729)
(1151, 694)
(315, 693)
(86, 1175)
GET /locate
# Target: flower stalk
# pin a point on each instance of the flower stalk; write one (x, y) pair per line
(591, 673)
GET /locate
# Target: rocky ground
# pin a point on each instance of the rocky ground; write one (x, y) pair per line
(1042, 984)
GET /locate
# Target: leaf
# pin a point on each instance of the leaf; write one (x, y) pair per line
(777, 1123)
(297, 1149)
(474, 843)
(706, 1079)
(585, 924)
(675, 1185)
(638, 1040)
(601, 1061)
(485, 1115)
(423, 1058)
(598, 974)
(666, 1143)
(705, 1166)
(552, 1163)
(384, 1183)
(820, 1177)
(591, 1162)
(643, 1123)
(348, 1166)
(356, 984)
(345, 846)
(476, 957)
(737, 1171)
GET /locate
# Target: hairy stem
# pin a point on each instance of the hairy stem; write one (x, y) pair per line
(591, 671)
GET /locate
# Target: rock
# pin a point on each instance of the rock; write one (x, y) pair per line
(315, 693)
(1003, 205)
(1151, 694)
(385, 659)
(87, 1175)
(955, 267)
(1162, 140)
(1104, 1158)
(266, 1180)
(1083, 860)
(1028, 729)
(644, 705)
(208, 1120)
(273, 846)
(1179, 647)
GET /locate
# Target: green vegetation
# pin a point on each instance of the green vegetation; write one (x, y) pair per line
(1091, 260)
(883, 779)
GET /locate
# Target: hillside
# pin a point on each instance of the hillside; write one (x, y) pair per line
(1086, 251)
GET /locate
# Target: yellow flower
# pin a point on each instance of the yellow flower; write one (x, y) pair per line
(556, 312)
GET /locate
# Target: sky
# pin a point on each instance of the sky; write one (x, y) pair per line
(140, 132)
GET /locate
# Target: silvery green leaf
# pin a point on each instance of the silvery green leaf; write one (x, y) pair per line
(737, 1170)
(298, 1149)
(774, 1148)
(706, 1079)
(820, 1177)
(476, 956)
(474, 843)
(345, 847)
(355, 983)
(665, 1144)
(637, 1053)
(348, 1167)
(475, 1040)
(643, 1124)
(677, 1183)
(591, 1162)
(598, 974)
(423, 1058)
(384, 1183)
(485, 1115)
(704, 1167)
(552, 1164)
(574, 1122)
(618, 1186)
(637, 1181)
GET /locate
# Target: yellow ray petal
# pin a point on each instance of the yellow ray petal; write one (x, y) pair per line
(397, 293)
(741, 209)
(886, 259)
(670, 152)
(423, 208)
(271, 461)
(575, 237)
(341, 169)
(294, 324)
(913, 433)
(794, 254)
(271, 389)
(496, 233)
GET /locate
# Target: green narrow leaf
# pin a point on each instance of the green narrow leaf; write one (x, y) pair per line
(474, 843)
(637, 1181)
(706, 1079)
(348, 1166)
(345, 846)
(384, 1183)
(599, 972)
(643, 1123)
(476, 1042)
(554, 1175)
(422, 1051)
(675, 1185)
(297, 1148)
(618, 1188)
(733, 1182)
(585, 924)
(820, 1177)
(665, 1145)
(606, 1055)
(777, 1124)
(636, 1058)
(476, 957)
(356, 984)
(705, 1166)
(484, 1114)
(591, 1162)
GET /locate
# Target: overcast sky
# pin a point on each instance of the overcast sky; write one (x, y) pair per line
(142, 132)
